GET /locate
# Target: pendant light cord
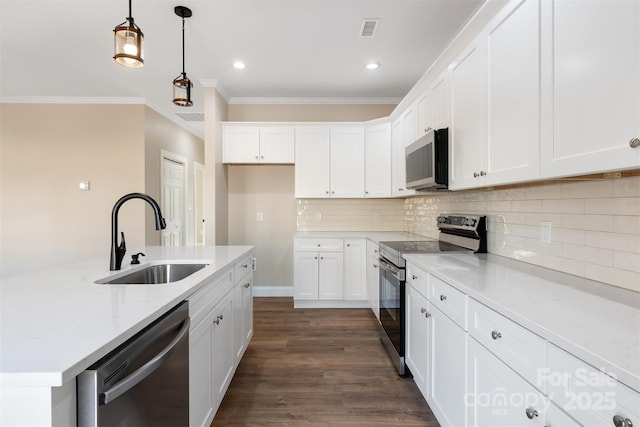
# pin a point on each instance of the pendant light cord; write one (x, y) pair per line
(130, 16)
(183, 73)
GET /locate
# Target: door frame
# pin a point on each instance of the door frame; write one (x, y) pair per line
(199, 167)
(186, 190)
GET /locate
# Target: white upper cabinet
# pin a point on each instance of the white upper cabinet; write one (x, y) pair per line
(513, 94)
(410, 123)
(347, 162)
(425, 112)
(467, 132)
(329, 162)
(433, 106)
(495, 102)
(591, 82)
(258, 144)
(377, 165)
(313, 157)
(398, 162)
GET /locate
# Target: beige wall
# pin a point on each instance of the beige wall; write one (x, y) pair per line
(307, 113)
(266, 189)
(46, 150)
(163, 134)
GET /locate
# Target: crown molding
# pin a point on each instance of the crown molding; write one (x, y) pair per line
(215, 83)
(314, 101)
(71, 100)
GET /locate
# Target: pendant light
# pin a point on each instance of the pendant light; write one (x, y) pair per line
(181, 84)
(128, 43)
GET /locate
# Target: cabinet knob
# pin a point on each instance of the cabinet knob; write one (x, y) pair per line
(262, 157)
(256, 157)
(326, 192)
(375, 265)
(635, 142)
(244, 266)
(495, 335)
(476, 174)
(531, 413)
(315, 257)
(400, 189)
(318, 244)
(427, 315)
(333, 192)
(366, 192)
(423, 310)
(321, 257)
(483, 173)
(443, 297)
(348, 245)
(247, 285)
(414, 277)
(618, 421)
(217, 321)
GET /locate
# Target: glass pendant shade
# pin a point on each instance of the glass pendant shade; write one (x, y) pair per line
(129, 45)
(182, 91)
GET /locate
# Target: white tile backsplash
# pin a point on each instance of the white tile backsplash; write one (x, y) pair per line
(595, 225)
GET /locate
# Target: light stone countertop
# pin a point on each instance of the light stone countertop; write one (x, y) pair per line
(597, 323)
(55, 323)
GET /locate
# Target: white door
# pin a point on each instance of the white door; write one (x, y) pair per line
(173, 201)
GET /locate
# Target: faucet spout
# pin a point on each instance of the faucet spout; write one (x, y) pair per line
(118, 250)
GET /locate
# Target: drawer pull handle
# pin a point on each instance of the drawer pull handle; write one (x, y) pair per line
(618, 421)
(495, 335)
(443, 297)
(531, 413)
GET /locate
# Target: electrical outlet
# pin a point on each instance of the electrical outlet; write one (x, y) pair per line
(545, 231)
(259, 216)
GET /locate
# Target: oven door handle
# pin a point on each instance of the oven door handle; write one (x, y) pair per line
(395, 271)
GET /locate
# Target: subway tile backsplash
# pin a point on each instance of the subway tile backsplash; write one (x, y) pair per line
(595, 225)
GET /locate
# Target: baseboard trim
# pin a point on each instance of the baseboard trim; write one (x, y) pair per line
(330, 304)
(272, 291)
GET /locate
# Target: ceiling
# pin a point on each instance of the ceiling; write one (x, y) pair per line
(305, 49)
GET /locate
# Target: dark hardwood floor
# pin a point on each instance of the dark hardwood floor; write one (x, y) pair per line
(318, 367)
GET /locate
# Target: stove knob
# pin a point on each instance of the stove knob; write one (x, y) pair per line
(470, 222)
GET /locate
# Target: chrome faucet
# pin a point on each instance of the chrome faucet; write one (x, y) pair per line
(118, 251)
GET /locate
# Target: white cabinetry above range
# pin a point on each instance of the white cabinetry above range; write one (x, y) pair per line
(258, 144)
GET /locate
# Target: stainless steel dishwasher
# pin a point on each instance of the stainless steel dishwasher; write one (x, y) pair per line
(144, 382)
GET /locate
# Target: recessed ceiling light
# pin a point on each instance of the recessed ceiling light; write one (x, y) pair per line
(372, 66)
(238, 65)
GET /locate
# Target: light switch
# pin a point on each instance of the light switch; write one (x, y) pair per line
(85, 185)
(259, 216)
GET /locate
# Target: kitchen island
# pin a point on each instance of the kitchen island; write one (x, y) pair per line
(57, 322)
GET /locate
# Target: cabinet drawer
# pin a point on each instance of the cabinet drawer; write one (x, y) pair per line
(518, 347)
(242, 267)
(451, 301)
(586, 393)
(318, 245)
(419, 279)
(205, 298)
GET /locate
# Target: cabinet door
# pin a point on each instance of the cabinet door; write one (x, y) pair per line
(410, 121)
(425, 112)
(497, 396)
(513, 94)
(441, 103)
(347, 162)
(377, 171)
(447, 386)
(466, 135)
(330, 276)
(398, 165)
(592, 82)
(222, 347)
(201, 374)
(305, 275)
(277, 145)
(355, 269)
(312, 154)
(417, 338)
(247, 310)
(373, 278)
(241, 144)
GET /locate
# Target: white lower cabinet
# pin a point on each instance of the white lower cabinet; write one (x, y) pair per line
(355, 269)
(447, 380)
(221, 326)
(417, 344)
(497, 396)
(373, 278)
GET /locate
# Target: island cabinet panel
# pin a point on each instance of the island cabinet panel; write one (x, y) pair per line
(591, 78)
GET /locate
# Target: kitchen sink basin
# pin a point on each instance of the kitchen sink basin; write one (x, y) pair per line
(155, 274)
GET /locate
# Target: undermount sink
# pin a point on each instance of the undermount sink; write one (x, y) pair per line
(155, 274)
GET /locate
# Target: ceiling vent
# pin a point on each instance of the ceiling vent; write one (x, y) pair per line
(191, 117)
(368, 29)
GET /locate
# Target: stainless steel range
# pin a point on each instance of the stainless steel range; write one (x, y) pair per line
(458, 233)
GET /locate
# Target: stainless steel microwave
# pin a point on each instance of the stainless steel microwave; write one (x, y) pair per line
(427, 161)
